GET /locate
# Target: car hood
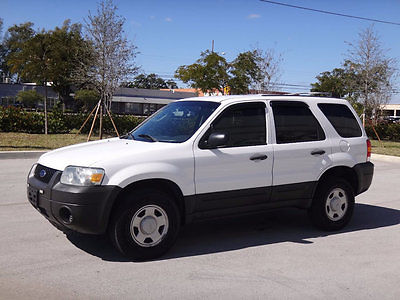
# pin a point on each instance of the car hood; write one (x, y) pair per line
(92, 153)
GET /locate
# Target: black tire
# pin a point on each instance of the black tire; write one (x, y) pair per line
(321, 213)
(125, 236)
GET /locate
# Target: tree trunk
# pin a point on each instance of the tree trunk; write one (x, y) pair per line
(45, 107)
(363, 116)
(101, 122)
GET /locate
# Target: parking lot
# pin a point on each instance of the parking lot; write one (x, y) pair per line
(276, 254)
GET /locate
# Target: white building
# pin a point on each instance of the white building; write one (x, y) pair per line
(391, 110)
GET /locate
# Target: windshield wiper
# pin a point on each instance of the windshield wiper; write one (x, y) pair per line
(149, 137)
(128, 136)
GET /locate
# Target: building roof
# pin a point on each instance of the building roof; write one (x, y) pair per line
(147, 93)
(134, 99)
(133, 95)
(11, 90)
(121, 94)
(391, 106)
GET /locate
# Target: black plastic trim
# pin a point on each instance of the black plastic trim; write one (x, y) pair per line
(293, 191)
(365, 173)
(244, 201)
(90, 207)
(228, 199)
(47, 174)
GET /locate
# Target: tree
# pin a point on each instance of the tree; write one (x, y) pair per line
(29, 98)
(244, 71)
(2, 51)
(269, 63)
(68, 49)
(151, 81)
(339, 83)
(171, 84)
(374, 69)
(209, 73)
(251, 69)
(33, 61)
(86, 99)
(13, 43)
(113, 60)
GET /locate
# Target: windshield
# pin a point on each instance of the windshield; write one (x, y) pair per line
(176, 122)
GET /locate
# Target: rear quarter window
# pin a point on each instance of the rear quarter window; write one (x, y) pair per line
(342, 119)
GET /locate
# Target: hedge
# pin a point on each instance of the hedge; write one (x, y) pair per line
(386, 131)
(14, 119)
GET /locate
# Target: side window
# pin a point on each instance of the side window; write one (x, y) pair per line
(244, 124)
(294, 123)
(342, 119)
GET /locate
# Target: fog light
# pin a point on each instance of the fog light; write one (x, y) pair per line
(66, 215)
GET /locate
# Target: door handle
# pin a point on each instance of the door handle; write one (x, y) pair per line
(317, 152)
(259, 157)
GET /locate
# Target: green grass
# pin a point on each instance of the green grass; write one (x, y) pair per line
(386, 147)
(15, 141)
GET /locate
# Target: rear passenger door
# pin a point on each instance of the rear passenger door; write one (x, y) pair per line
(300, 152)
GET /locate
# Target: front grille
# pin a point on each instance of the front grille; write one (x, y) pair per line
(43, 173)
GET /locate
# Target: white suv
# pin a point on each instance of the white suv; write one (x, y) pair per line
(207, 157)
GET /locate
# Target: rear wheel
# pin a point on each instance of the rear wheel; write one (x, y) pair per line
(333, 205)
(146, 225)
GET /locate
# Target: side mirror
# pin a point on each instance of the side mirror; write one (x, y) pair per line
(217, 139)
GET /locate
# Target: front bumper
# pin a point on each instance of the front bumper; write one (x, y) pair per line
(365, 172)
(81, 209)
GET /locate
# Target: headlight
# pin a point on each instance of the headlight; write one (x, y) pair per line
(32, 171)
(82, 176)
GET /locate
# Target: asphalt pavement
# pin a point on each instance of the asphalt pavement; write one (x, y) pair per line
(273, 255)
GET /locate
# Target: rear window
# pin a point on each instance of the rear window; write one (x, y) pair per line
(342, 119)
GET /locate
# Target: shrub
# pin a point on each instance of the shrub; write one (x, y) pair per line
(14, 119)
(29, 98)
(386, 131)
(17, 120)
(86, 99)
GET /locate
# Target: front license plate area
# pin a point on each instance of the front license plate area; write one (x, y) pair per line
(33, 196)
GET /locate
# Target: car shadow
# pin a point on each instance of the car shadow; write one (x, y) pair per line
(277, 226)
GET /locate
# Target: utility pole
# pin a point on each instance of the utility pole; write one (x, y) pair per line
(212, 46)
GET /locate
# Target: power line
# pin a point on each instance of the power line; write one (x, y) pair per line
(292, 84)
(330, 13)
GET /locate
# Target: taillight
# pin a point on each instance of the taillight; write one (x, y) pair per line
(368, 150)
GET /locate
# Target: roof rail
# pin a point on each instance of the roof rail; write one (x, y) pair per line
(309, 94)
(329, 94)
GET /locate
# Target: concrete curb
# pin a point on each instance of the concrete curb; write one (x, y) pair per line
(21, 154)
(387, 158)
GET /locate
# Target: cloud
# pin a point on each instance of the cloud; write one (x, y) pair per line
(168, 19)
(152, 17)
(136, 24)
(253, 16)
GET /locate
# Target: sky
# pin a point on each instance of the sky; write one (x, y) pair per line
(169, 34)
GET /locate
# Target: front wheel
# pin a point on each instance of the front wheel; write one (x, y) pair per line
(333, 205)
(146, 225)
